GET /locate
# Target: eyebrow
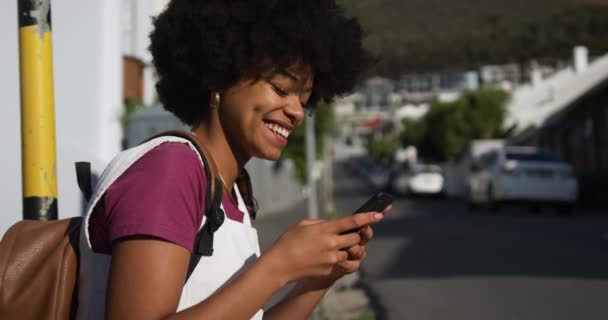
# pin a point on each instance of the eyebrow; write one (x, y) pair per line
(290, 75)
(294, 78)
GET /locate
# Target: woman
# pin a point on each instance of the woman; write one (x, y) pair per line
(241, 74)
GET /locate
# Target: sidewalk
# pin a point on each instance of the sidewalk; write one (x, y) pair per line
(346, 300)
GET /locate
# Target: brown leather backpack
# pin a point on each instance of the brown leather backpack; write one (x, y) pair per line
(39, 269)
(39, 260)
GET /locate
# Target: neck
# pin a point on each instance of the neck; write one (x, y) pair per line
(224, 154)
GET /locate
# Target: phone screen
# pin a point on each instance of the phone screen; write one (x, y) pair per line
(377, 203)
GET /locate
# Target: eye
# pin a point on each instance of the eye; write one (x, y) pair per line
(307, 102)
(278, 90)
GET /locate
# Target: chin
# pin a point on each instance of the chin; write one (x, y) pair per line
(272, 155)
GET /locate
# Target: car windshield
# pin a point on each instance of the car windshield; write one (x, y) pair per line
(539, 156)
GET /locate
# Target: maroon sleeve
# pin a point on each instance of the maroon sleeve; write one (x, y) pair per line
(161, 195)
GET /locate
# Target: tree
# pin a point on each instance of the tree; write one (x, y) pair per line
(414, 133)
(296, 148)
(430, 35)
(447, 128)
(382, 148)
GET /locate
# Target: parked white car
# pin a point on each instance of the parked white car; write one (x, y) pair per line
(521, 174)
(419, 179)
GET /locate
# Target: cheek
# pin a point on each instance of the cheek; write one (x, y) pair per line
(267, 99)
(257, 109)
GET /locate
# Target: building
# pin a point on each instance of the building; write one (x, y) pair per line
(500, 76)
(377, 91)
(567, 113)
(446, 86)
(136, 25)
(579, 134)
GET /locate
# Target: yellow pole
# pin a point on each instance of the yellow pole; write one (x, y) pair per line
(39, 167)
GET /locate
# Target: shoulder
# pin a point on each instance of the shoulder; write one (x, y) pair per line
(169, 158)
(172, 151)
(169, 168)
(167, 186)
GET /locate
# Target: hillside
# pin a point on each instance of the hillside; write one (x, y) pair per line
(420, 35)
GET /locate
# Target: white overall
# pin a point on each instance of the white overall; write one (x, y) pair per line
(235, 247)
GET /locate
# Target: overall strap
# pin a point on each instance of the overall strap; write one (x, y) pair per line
(243, 182)
(203, 243)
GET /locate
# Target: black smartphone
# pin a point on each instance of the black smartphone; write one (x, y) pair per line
(377, 203)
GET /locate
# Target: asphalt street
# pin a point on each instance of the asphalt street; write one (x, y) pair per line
(434, 259)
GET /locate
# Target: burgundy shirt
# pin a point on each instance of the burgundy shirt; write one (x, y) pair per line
(161, 195)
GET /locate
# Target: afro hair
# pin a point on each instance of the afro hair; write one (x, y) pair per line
(197, 45)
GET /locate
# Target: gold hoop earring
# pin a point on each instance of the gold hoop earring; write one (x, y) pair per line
(215, 100)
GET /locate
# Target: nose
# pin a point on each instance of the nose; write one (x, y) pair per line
(294, 110)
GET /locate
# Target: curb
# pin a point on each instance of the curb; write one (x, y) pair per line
(347, 300)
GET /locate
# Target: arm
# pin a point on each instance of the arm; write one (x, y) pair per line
(302, 300)
(147, 274)
(153, 290)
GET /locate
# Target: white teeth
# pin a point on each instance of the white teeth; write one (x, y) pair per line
(278, 129)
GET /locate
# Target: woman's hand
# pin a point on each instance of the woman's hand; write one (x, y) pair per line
(356, 254)
(321, 249)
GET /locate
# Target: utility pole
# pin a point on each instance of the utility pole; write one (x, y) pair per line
(38, 155)
(311, 155)
(313, 206)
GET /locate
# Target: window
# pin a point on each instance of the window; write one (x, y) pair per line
(538, 156)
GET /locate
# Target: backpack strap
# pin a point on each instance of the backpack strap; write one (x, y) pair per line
(83, 176)
(203, 243)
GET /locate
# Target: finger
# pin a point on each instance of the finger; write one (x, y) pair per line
(356, 252)
(347, 240)
(349, 266)
(354, 222)
(341, 256)
(366, 233)
(387, 209)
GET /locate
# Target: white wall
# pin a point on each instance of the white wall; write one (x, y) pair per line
(88, 97)
(136, 20)
(10, 162)
(136, 27)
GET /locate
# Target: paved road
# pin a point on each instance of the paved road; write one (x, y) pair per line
(433, 259)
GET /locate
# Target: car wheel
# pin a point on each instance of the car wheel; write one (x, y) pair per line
(566, 209)
(493, 204)
(471, 205)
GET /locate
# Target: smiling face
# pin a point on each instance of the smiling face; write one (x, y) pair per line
(258, 116)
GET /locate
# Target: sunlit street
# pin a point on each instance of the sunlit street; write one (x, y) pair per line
(432, 258)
